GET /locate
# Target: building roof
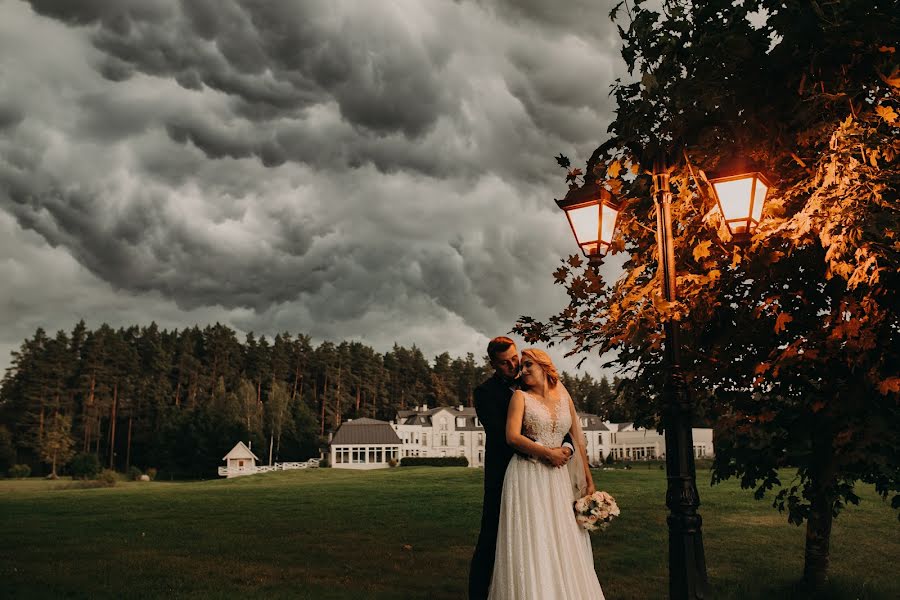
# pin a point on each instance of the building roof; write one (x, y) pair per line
(425, 411)
(365, 431)
(594, 423)
(423, 416)
(240, 450)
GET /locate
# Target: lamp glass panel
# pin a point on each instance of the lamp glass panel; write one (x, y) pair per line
(734, 198)
(607, 223)
(584, 222)
(759, 199)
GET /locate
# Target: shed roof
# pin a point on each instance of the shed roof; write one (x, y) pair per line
(365, 431)
(240, 450)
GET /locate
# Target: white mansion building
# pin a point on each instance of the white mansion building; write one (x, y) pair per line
(456, 431)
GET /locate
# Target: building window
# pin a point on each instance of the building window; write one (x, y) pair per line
(443, 439)
(462, 451)
(481, 439)
(480, 457)
(460, 421)
(424, 439)
(443, 423)
(478, 423)
(462, 439)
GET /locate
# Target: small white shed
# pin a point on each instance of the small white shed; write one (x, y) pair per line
(240, 461)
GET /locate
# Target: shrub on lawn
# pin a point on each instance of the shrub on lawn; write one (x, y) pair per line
(19, 471)
(151, 473)
(393, 462)
(84, 466)
(434, 461)
(108, 477)
(134, 474)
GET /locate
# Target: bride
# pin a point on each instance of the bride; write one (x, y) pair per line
(541, 551)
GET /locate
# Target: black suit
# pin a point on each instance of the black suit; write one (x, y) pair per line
(491, 404)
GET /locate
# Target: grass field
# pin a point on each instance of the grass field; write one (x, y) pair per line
(396, 533)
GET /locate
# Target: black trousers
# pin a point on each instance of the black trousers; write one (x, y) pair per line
(482, 567)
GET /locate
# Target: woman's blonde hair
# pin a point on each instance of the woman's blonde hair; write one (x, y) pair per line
(543, 359)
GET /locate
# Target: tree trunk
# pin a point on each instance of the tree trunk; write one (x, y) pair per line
(271, 443)
(53, 474)
(99, 434)
(818, 538)
(128, 447)
(87, 423)
(298, 381)
(324, 396)
(337, 416)
(192, 392)
(112, 428)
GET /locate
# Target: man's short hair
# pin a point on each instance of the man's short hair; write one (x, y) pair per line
(499, 344)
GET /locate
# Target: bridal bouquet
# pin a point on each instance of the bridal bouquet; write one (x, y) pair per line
(595, 511)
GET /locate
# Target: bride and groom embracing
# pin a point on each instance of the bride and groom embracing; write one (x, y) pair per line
(530, 546)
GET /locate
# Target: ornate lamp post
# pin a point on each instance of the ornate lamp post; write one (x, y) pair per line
(591, 215)
(687, 561)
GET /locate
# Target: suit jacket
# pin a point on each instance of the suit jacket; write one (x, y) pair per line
(491, 405)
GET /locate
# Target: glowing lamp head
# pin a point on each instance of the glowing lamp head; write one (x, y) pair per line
(592, 215)
(741, 199)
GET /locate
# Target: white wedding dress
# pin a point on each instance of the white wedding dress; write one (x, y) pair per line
(542, 553)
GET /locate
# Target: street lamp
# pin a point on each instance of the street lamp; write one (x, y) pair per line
(740, 199)
(687, 560)
(592, 213)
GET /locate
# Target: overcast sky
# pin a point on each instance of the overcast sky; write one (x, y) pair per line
(372, 170)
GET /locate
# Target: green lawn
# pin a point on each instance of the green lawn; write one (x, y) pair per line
(327, 533)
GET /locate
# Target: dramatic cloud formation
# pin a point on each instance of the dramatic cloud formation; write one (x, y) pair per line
(371, 170)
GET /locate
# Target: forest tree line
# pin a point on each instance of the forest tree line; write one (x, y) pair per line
(178, 400)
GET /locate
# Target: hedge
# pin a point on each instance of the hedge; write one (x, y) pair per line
(434, 461)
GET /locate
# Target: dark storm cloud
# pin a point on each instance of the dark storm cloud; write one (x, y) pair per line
(277, 57)
(369, 170)
(390, 71)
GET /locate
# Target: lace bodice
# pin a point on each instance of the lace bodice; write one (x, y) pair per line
(545, 425)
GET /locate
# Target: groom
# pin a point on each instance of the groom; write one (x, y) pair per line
(491, 404)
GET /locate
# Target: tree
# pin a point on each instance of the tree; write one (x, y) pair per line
(57, 444)
(789, 342)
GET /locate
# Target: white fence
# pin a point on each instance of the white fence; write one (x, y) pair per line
(312, 463)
